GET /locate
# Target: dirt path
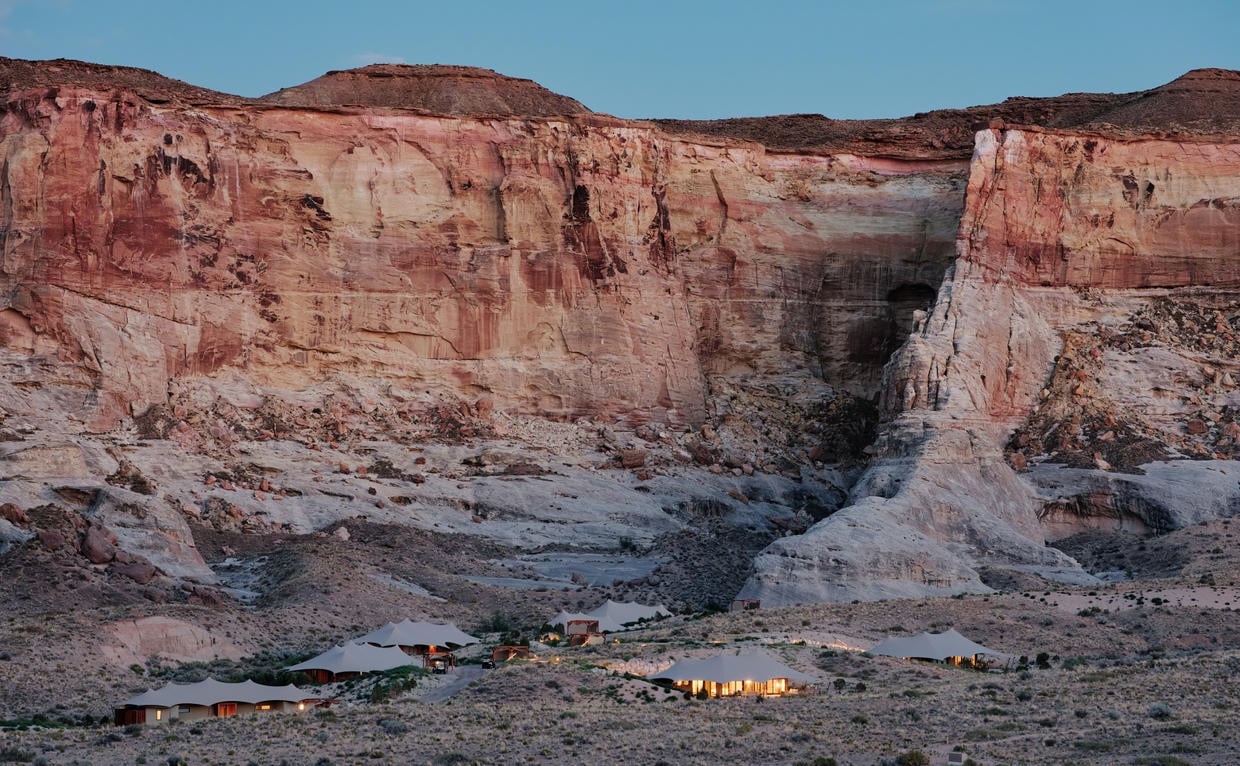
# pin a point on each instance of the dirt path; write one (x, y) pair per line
(459, 679)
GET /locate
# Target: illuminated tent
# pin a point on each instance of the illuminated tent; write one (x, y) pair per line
(408, 633)
(209, 698)
(352, 659)
(727, 675)
(210, 691)
(940, 647)
(614, 615)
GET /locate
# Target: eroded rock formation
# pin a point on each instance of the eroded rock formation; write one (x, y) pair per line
(418, 254)
(1071, 246)
(569, 266)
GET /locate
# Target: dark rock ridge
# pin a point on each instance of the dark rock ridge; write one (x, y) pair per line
(1202, 102)
(438, 89)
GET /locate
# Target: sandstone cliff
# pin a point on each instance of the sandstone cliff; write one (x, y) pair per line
(412, 255)
(565, 267)
(1071, 246)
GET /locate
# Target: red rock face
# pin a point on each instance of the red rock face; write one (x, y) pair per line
(1129, 243)
(152, 233)
(561, 267)
(1083, 210)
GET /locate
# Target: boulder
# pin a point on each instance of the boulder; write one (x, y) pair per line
(98, 545)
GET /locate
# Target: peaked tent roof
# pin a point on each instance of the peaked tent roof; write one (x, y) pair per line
(356, 658)
(210, 691)
(614, 615)
(408, 633)
(563, 618)
(724, 668)
(626, 612)
(933, 646)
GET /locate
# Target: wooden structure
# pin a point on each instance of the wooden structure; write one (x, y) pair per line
(433, 659)
(503, 653)
(583, 632)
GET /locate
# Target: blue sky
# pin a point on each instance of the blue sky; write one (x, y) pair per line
(661, 58)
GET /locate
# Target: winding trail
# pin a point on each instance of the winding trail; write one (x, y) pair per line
(460, 678)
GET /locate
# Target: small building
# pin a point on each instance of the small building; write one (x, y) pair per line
(438, 661)
(347, 660)
(583, 633)
(733, 675)
(948, 646)
(504, 653)
(211, 699)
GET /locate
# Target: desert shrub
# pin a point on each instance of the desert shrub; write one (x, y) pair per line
(15, 755)
(1093, 745)
(913, 758)
(496, 622)
(266, 667)
(1160, 711)
(1024, 695)
(393, 726)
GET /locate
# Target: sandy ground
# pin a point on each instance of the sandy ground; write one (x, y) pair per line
(1209, 597)
(1137, 671)
(1098, 698)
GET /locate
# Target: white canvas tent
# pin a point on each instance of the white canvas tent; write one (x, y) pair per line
(353, 658)
(940, 647)
(210, 698)
(409, 633)
(612, 616)
(725, 675)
